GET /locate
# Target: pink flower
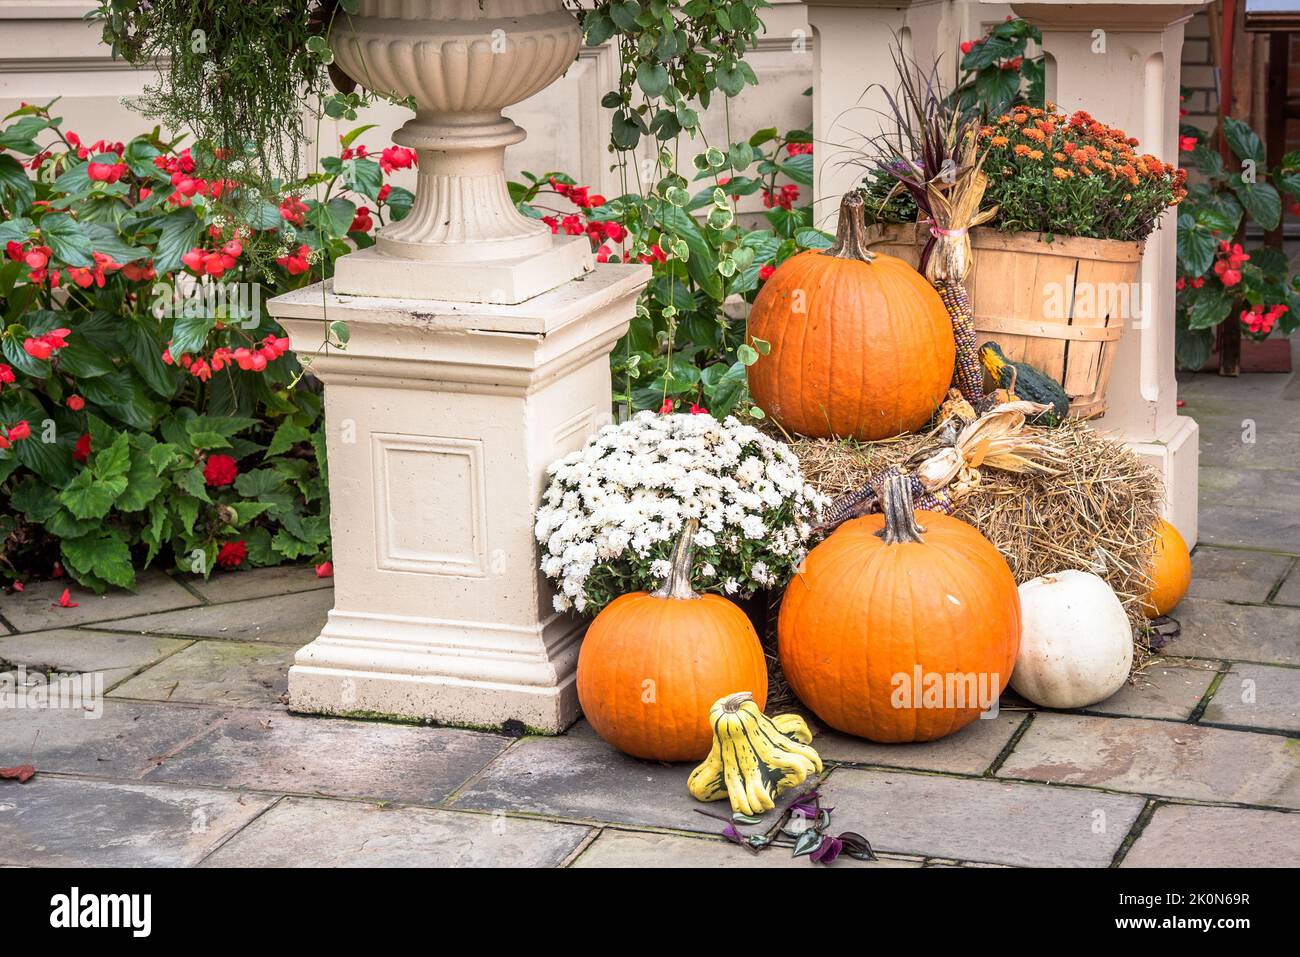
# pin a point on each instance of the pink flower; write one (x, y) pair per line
(232, 554)
(76, 403)
(397, 157)
(362, 223)
(106, 172)
(297, 262)
(292, 210)
(220, 470)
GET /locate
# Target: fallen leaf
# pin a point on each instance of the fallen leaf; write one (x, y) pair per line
(22, 774)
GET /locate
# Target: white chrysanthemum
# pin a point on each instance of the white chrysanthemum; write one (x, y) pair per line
(613, 510)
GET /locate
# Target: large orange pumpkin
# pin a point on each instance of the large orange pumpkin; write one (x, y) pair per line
(861, 345)
(1170, 572)
(887, 611)
(653, 663)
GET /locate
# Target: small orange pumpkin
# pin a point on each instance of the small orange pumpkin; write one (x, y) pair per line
(883, 606)
(653, 663)
(860, 343)
(1170, 572)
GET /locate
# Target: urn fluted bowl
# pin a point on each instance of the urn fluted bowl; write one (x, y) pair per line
(461, 61)
(457, 56)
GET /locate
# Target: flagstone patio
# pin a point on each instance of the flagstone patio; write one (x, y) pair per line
(194, 759)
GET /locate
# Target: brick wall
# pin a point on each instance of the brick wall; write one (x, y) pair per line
(1202, 95)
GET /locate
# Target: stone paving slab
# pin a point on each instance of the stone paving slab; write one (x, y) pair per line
(1223, 401)
(970, 751)
(1214, 629)
(1273, 448)
(981, 819)
(1167, 688)
(1163, 758)
(579, 776)
(80, 651)
(1249, 527)
(1232, 574)
(236, 674)
(283, 619)
(258, 583)
(1257, 696)
(126, 740)
(1224, 485)
(36, 607)
(615, 848)
(1186, 835)
(301, 832)
(1289, 593)
(54, 822)
(275, 751)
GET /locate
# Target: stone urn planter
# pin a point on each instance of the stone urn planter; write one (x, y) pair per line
(1061, 305)
(477, 354)
(462, 61)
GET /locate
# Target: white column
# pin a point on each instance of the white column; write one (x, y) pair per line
(1121, 63)
(477, 354)
(852, 61)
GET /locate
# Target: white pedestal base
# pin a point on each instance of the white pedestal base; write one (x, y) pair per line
(449, 672)
(369, 272)
(441, 420)
(1175, 454)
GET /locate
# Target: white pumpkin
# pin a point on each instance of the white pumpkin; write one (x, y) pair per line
(1076, 644)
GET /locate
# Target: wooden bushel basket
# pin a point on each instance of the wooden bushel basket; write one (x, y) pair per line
(1059, 306)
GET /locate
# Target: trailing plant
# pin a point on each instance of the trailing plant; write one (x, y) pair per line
(803, 828)
(238, 77)
(672, 55)
(683, 347)
(1219, 276)
(146, 414)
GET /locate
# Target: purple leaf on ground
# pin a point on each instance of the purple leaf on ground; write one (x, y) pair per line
(827, 851)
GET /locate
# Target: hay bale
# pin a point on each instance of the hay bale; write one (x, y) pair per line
(1098, 515)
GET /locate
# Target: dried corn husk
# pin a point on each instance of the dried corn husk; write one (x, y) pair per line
(954, 211)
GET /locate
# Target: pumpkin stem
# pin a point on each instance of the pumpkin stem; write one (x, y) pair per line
(851, 234)
(678, 583)
(900, 518)
(733, 702)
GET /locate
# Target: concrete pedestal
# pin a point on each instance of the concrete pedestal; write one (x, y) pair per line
(853, 62)
(1121, 63)
(442, 418)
